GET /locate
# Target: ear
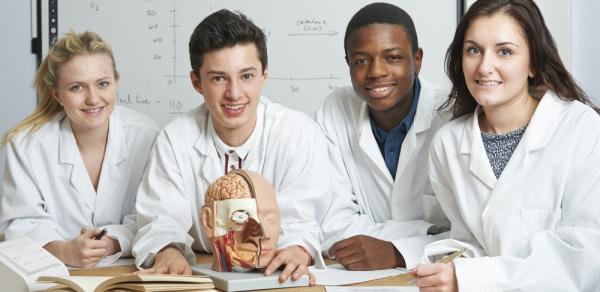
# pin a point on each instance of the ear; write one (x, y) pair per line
(117, 77)
(206, 219)
(55, 95)
(347, 60)
(196, 82)
(265, 76)
(418, 60)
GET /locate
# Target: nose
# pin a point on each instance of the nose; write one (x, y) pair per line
(234, 90)
(486, 64)
(377, 68)
(93, 96)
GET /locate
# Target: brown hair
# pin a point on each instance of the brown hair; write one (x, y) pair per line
(549, 71)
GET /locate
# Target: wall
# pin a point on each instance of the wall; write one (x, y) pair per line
(17, 66)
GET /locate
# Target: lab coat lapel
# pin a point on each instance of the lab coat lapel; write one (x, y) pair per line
(115, 156)
(422, 123)
(535, 138)
(69, 154)
(368, 144)
(472, 145)
(211, 167)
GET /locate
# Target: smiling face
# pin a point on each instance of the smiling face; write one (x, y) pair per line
(496, 61)
(383, 66)
(87, 89)
(231, 80)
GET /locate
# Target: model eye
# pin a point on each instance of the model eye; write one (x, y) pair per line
(75, 87)
(504, 52)
(104, 84)
(472, 50)
(240, 216)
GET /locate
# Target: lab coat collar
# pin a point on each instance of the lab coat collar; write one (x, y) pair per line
(368, 144)
(425, 108)
(115, 154)
(112, 166)
(472, 145)
(544, 120)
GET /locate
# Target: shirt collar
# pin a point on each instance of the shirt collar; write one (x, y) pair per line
(242, 150)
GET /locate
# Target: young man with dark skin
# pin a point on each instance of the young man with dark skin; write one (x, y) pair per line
(383, 211)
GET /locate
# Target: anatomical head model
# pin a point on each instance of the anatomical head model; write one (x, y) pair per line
(241, 217)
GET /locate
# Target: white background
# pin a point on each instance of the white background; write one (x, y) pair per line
(17, 64)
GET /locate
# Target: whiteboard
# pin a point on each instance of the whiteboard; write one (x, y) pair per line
(304, 42)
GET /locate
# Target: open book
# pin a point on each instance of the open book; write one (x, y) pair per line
(128, 283)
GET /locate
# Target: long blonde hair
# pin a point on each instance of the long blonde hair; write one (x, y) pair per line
(46, 77)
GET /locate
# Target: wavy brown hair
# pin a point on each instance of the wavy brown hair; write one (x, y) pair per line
(549, 71)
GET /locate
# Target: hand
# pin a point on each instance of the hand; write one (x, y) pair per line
(83, 251)
(296, 262)
(365, 253)
(435, 277)
(169, 261)
(112, 245)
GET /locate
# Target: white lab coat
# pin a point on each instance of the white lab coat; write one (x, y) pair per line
(47, 194)
(537, 227)
(289, 151)
(367, 200)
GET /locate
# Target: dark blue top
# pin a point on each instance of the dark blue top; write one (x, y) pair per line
(390, 143)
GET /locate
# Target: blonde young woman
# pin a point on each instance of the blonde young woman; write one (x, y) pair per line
(73, 166)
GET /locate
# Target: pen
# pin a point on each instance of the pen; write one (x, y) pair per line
(449, 258)
(99, 235)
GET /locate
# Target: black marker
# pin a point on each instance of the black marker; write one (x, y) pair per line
(99, 235)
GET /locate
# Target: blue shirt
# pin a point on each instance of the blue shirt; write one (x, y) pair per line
(391, 143)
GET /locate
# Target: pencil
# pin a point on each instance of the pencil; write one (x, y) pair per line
(449, 258)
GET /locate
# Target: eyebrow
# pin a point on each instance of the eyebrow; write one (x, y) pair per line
(496, 45)
(244, 70)
(385, 50)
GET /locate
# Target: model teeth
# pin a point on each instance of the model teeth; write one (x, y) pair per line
(488, 83)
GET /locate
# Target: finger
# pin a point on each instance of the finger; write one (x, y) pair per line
(341, 244)
(357, 266)
(287, 271)
(300, 270)
(92, 253)
(424, 270)
(312, 280)
(346, 251)
(91, 260)
(348, 260)
(87, 233)
(429, 281)
(145, 271)
(187, 270)
(277, 262)
(93, 244)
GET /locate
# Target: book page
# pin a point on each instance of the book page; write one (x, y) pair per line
(78, 283)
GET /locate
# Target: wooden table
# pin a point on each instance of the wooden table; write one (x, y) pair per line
(207, 258)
